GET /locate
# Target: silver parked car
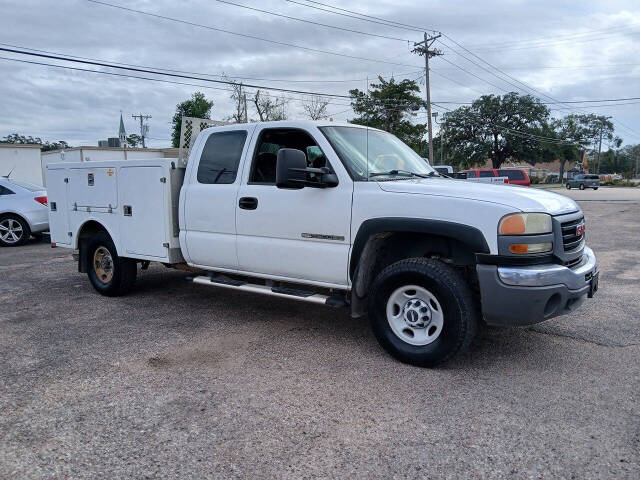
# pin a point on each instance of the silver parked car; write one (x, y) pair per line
(23, 212)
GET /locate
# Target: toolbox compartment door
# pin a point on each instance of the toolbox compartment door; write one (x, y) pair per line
(57, 190)
(143, 211)
(93, 187)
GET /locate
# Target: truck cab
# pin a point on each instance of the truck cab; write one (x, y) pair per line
(333, 214)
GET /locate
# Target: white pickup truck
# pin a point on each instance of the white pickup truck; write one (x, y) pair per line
(333, 214)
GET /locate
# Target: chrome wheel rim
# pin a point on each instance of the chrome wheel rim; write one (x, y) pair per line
(103, 264)
(415, 315)
(10, 230)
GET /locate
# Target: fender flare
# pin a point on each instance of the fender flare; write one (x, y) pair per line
(96, 220)
(464, 233)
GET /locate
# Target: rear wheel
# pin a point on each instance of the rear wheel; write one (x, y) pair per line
(108, 273)
(568, 187)
(595, 188)
(422, 311)
(581, 187)
(14, 231)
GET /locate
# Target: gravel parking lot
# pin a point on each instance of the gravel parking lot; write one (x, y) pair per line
(184, 381)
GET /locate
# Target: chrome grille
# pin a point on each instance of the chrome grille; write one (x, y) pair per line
(570, 239)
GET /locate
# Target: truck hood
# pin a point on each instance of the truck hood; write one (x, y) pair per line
(526, 199)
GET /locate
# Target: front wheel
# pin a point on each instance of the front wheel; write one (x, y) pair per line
(595, 188)
(581, 186)
(108, 273)
(422, 311)
(568, 187)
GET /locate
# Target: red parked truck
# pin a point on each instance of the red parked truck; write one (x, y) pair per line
(516, 176)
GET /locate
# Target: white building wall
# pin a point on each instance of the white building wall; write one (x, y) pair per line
(22, 161)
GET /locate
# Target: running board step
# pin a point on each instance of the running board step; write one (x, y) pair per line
(282, 292)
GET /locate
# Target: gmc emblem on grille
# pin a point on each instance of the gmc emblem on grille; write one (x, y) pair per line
(580, 229)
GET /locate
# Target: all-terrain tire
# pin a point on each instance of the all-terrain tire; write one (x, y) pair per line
(452, 294)
(108, 273)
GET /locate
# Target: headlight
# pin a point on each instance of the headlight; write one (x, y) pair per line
(525, 224)
(526, 248)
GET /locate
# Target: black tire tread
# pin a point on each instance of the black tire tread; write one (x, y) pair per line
(464, 298)
(126, 269)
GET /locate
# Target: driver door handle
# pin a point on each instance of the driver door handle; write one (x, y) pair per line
(248, 203)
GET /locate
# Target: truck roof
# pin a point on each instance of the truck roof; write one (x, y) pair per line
(293, 124)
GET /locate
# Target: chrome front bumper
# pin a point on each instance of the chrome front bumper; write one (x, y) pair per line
(514, 296)
(544, 275)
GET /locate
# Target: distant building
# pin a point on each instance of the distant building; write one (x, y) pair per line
(122, 134)
(22, 161)
(116, 142)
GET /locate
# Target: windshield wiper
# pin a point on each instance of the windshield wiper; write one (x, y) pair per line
(398, 172)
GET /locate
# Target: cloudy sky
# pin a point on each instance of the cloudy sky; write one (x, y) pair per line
(566, 51)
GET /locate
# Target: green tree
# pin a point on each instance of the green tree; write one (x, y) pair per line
(197, 106)
(389, 106)
(579, 132)
(46, 146)
(134, 140)
(500, 128)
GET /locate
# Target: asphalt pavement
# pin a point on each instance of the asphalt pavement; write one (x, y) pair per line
(184, 381)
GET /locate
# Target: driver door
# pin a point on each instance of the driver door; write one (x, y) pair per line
(300, 234)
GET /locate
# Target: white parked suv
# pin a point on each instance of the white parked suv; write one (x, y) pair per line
(333, 214)
(23, 211)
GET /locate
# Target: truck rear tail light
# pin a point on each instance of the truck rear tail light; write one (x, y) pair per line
(506, 180)
(41, 200)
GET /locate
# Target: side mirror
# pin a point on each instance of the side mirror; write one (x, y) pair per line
(292, 171)
(290, 167)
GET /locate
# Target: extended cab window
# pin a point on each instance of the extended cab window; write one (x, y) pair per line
(511, 174)
(486, 173)
(221, 157)
(263, 169)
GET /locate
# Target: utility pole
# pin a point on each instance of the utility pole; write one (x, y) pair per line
(600, 142)
(599, 150)
(143, 128)
(424, 48)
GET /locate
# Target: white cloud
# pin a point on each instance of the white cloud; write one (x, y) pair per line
(83, 107)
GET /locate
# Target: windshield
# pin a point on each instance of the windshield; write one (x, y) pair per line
(368, 153)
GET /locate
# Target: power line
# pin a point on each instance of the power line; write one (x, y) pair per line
(224, 76)
(520, 82)
(189, 77)
(160, 80)
(542, 44)
(244, 35)
(312, 22)
(355, 15)
(564, 36)
(392, 23)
